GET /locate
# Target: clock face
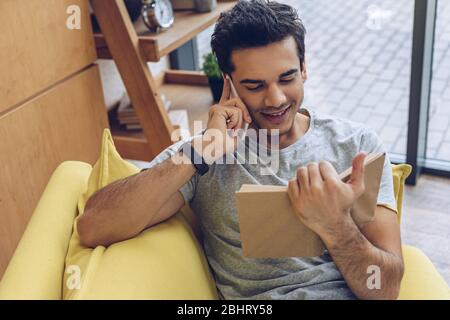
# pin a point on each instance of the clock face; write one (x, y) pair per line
(164, 13)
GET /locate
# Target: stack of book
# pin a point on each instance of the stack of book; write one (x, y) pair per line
(126, 115)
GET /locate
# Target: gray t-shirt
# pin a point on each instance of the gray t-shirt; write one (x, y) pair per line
(212, 197)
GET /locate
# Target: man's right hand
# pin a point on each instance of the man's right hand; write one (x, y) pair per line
(229, 113)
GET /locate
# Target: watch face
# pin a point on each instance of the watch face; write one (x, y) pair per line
(163, 13)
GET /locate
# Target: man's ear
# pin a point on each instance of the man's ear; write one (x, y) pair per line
(304, 70)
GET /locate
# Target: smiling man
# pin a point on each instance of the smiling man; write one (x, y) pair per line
(260, 45)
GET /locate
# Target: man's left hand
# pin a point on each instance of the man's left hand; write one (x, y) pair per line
(321, 200)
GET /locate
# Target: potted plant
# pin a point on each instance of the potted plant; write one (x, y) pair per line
(212, 71)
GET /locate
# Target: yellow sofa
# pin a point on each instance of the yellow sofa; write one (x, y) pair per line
(163, 262)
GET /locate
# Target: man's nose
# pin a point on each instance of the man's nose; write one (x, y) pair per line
(275, 97)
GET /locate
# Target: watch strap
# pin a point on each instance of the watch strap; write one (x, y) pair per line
(196, 159)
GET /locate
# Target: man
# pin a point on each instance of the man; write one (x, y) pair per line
(260, 45)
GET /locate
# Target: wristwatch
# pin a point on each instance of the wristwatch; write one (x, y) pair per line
(196, 159)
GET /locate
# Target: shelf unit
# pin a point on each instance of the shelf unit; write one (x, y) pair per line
(131, 49)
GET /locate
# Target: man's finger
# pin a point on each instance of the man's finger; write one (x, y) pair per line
(328, 172)
(357, 175)
(315, 179)
(293, 189)
(237, 102)
(303, 178)
(225, 91)
(234, 117)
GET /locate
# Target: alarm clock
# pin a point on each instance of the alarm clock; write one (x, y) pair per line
(157, 14)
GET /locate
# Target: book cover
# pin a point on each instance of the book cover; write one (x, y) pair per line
(270, 228)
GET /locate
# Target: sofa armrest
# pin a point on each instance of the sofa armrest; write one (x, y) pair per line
(36, 268)
(421, 280)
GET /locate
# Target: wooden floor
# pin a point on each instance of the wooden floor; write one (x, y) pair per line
(426, 220)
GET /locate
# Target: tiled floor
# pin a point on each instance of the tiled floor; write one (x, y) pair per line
(359, 60)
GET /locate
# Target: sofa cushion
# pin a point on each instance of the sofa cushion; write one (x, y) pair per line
(163, 262)
(109, 167)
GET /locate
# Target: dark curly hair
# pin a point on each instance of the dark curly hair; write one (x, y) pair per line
(255, 23)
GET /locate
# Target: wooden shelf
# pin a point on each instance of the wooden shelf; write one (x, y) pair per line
(131, 52)
(187, 25)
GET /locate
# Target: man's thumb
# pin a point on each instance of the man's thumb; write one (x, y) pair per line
(357, 176)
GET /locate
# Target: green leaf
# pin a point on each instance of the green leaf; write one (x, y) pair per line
(210, 66)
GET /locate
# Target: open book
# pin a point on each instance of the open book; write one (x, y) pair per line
(270, 227)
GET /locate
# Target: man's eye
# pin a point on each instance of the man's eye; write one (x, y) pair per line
(286, 80)
(255, 88)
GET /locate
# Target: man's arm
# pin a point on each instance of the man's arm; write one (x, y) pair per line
(364, 254)
(124, 208)
(322, 202)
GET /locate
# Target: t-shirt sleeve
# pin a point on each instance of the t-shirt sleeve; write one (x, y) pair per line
(188, 189)
(372, 143)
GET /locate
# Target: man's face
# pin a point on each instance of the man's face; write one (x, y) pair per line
(269, 81)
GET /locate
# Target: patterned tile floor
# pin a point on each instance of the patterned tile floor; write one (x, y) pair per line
(359, 60)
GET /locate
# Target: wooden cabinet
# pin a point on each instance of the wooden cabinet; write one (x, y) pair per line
(37, 50)
(51, 105)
